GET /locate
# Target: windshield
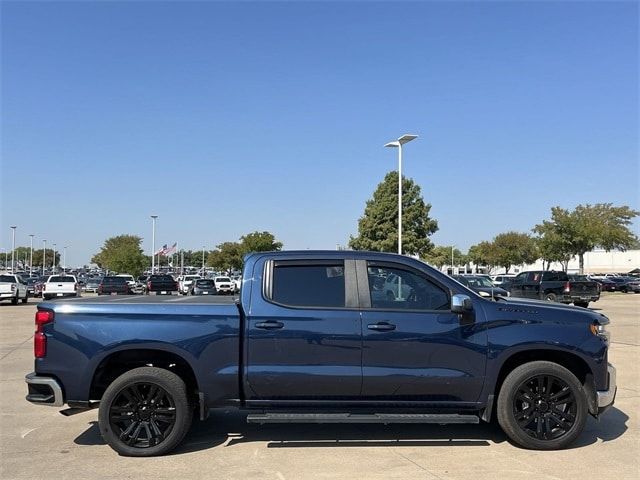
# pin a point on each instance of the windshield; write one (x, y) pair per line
(223, 279)
(204, 283)
(480, 282)
(7, 278)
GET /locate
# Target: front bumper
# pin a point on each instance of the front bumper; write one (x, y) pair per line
(606, 397)
(44, 390)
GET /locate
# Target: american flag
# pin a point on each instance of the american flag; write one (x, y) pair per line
(171, 250)
(162, 250)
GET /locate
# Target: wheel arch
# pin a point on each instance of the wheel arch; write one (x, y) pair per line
(120, 361)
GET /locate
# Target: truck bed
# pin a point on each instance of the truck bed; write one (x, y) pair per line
(150, 299)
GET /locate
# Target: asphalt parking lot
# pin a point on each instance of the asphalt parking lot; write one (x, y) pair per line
(38, 442)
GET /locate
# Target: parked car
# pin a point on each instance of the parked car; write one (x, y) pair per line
(606, 284)
(159, 284)
(481, 285)
(134, 286)
(13, 288)
(60, 286)
(237, 283)
(185, 282)
(31, 285)
(224, 285)
(505, 278)
(309, 343)
(39, 285)
(555, 287)
(92, 284)
(626, 284)
(203, 286)
(114, 285)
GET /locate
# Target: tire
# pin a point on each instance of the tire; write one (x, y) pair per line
(581, 304)
(171, 392)
(568, 418)
(14, 300)
(26, 298)
(551, 297)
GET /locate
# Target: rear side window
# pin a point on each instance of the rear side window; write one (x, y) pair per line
(299, 285)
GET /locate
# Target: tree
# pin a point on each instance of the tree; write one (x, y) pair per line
(122, 254)
(484, 254)
(513, 248)
(553, 248)
(259, 242)
(226, 256)
(37, 257)
(378, 227)
(441, 255)
(590, 226)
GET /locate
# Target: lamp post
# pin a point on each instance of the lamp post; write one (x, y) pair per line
(153, 244)
(53, 265)
(64, 259)
(203, 247)
(13, 249)
(44, 255)
(398, 144)
(31, 255)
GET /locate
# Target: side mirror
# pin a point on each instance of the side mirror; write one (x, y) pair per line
(461, 303)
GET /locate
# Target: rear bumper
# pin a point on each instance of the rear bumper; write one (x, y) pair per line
(44, 390)
(606, 397)
(591, 297)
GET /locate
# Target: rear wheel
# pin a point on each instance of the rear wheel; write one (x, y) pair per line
(145, 412)
(542, 406)
(14, 300)
(551, 297)
(26, 298)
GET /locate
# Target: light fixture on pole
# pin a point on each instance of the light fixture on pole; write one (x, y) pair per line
(31, 255)
(153, 244)
(398, 144)
(44, 255)
(13, 249)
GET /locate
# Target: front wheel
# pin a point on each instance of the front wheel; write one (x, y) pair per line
(542, 406)
(145, 412)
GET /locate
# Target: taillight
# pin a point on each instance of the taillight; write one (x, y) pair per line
(148, 285)
(14, 287)
(44, 287)
(43, 317)
(567, 287)
(100, 288)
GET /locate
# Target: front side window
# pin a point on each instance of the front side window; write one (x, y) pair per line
(395, 288)
(299, 285)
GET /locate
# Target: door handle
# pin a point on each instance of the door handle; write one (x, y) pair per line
(381, 326)
(270, 325)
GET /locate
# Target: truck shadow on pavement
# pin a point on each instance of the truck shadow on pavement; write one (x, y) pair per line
(226, 429)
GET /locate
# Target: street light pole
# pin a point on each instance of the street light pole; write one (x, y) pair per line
(53, 267)
(64, 259)
(13, 249)
(44, 255)
(203, 247)
(153, 245)
(31, 255)
(452, 272)
(398, 144)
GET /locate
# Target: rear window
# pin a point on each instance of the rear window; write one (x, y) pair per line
(113, 280)
(161, 278)
(309, 285)
(61, 279)
(204, 283)
(7, 278)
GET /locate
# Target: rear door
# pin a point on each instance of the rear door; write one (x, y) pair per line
(414, 347)
(305, 342)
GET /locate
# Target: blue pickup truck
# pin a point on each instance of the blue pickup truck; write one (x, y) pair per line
(324, 337)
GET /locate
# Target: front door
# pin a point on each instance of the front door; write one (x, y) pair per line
(414, 347)
(306, 342)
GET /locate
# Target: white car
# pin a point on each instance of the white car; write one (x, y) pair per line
(185, 282)
(500, 279)
(60, 286)
(237, 282)
(224, 285)
(134, 287)
(12, 287)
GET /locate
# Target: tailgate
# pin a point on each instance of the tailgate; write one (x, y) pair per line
(62, 287)
(584, 288)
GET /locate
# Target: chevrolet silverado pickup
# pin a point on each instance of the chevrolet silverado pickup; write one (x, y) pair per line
(314, 338)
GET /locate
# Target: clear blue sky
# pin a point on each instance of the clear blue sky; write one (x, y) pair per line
(227, 118)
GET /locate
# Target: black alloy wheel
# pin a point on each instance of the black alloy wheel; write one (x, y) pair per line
(545, 407)
(542, 406)
(142, 415)
(145, 412)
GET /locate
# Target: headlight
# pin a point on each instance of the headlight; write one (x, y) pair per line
(600, 330)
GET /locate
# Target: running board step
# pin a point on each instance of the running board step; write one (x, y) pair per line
(360, 418)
